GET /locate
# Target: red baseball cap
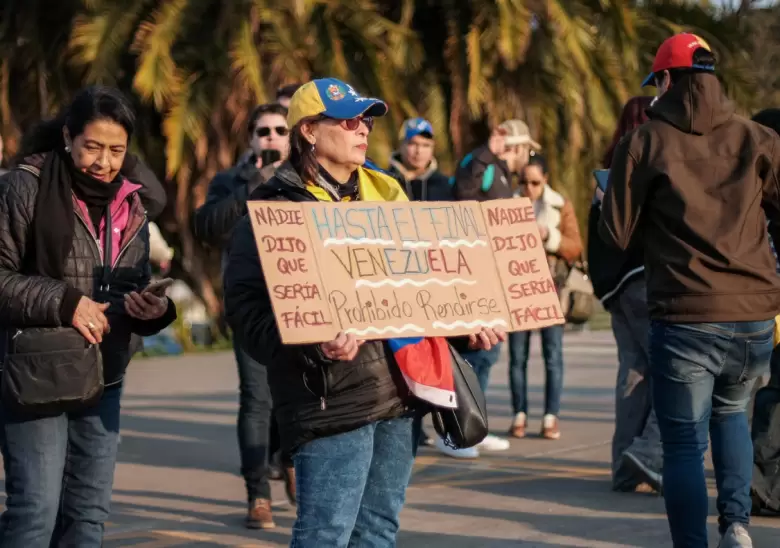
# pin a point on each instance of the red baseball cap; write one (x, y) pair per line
(677, 52)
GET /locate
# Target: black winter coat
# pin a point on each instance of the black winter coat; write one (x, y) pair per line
(34, 301)
(313, 396)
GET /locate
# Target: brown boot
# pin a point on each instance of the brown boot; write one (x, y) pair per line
(518, 426)
(289, 484)
(550, 428)
(259, 515)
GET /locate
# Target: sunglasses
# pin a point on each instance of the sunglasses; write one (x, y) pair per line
(265, 131)
(354, 123)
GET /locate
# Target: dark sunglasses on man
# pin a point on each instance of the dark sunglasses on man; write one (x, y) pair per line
(265, 131)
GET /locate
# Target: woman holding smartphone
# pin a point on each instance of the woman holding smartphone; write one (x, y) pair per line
(74, 263)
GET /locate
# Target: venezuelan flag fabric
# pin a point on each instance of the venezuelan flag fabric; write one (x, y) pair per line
(426, 364)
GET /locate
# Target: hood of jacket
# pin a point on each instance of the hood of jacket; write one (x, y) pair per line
(695, 104)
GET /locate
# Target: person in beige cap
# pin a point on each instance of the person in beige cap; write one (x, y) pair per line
(486, 173)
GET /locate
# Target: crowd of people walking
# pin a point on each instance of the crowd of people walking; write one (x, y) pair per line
(679, 254)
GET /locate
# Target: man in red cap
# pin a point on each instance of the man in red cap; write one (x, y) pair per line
(694, 187)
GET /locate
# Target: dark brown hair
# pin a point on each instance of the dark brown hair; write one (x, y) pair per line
(632, 117)
(302, 155)
(262, 110)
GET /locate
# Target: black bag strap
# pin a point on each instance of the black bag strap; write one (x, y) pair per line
(105, 282)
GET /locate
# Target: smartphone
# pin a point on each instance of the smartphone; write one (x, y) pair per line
(270, 156)
(158, 288)
(602, 177)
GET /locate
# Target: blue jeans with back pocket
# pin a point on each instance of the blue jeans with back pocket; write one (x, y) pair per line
(702, 377)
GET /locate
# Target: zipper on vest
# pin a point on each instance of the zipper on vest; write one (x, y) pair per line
(130, 241)
(94, 238)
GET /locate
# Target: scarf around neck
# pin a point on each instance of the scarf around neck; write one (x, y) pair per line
(54, 218)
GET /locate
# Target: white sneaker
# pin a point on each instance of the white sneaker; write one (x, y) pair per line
(736, 536)
(493, 443)
(470, 453)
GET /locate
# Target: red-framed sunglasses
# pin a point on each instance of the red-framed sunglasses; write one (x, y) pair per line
(354, 123)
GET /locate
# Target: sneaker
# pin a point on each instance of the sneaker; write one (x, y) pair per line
(469, 453)
(518, 426)
(550, 428)
(653, 479)
(259, 515)
(736, 536)
(493, 443)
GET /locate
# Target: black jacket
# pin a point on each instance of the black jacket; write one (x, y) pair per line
(34, 301)
(481, 176)
(152, 191)
(225, 203)
(431, 186)
(313, 396)
(610, 269)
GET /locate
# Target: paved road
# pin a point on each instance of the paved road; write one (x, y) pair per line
(177, 482)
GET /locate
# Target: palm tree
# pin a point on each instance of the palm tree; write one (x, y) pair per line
(204, 64)
(195, 68)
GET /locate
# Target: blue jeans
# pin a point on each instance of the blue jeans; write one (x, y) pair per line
(352, 486)
(702, 379)
(59, 472)
(481, 361)
(255, 421)
(552, 351)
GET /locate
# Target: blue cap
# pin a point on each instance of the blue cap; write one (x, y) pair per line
(332, 98)
(414, 127)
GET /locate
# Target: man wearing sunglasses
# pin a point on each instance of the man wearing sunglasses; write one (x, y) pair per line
(225, 205)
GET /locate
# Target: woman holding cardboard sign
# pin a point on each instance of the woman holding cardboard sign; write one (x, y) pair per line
(562, 242)
(344, 410)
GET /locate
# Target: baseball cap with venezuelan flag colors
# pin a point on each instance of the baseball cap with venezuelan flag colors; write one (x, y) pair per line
(332, 98)
(677, 52)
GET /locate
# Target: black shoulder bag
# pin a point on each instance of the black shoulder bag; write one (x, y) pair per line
(53, 370)
(467, 425)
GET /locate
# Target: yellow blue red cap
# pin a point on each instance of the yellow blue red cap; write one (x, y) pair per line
(332, 98)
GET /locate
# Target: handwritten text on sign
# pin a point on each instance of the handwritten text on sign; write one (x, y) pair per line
(382, 270)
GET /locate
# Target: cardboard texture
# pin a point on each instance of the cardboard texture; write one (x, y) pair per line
(521, 260)
(397, 269)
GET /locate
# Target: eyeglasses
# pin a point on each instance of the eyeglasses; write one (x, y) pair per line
(265, 131)
(354, 123)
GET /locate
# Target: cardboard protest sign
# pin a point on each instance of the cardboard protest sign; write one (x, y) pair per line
(397, 269)
(522, 264)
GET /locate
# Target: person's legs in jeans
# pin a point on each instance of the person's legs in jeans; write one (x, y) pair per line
(732, 446)
(481, 361)
(391, 468)
(331, 475)
(34, 459)
(519, 345)
(636, 428)
(552, 351)
(93, 442)
(254, 424)
(694, 367)
(684, 362)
